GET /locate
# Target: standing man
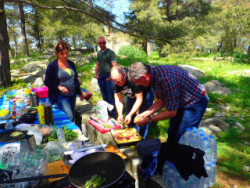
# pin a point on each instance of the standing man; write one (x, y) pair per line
(106, 59)
(183, 96)
(138, 98)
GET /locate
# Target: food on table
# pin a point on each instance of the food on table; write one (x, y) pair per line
(95, 181)
(136, 119)
(106, 126)
(15, 134)
(46, 131)
(126, 135)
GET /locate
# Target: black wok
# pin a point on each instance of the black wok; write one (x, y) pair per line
(105, 164)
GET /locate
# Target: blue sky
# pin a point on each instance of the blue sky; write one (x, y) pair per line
(121, 6)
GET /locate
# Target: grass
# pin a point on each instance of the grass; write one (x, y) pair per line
(233, 153)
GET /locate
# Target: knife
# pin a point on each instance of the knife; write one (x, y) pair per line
(94, 120)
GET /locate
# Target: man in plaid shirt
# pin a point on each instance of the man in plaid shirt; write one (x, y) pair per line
(183, 96)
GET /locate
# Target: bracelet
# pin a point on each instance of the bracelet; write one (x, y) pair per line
(150, 120)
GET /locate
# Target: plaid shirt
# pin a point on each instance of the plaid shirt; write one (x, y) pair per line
(175, 86)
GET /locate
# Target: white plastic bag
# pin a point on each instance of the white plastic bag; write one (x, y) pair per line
(102, 108)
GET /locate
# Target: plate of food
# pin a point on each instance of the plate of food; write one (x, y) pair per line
(126, 136)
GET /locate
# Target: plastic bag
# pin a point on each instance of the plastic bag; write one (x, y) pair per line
(102, 108)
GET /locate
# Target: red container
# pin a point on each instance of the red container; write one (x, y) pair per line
(42, 92)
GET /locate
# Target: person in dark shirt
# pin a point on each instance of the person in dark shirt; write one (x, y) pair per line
(138, 98)
(183, 96)
(63, 82)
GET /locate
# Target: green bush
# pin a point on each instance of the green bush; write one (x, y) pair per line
(154, 55)
(240, 57)
(132, 52)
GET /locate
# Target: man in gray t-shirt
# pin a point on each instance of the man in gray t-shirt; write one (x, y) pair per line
(106, 58)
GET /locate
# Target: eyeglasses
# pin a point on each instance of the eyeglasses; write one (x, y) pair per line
(121, 81)
(102, 43)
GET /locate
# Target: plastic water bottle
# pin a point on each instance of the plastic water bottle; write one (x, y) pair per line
(206, 147)
(171, 178)
(200, 140)
(208, 168)
(213, 148)
(36, 84)
(8, 125)
(165, 173)
(61, 135)
(194, 139)
(18, 113)
(30, 86)
(185, 139)
(213, 174)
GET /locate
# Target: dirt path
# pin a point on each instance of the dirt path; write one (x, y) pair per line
(225, 181)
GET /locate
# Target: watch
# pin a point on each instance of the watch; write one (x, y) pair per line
(150, 120)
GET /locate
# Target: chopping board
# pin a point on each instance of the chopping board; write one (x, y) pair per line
(103, 126)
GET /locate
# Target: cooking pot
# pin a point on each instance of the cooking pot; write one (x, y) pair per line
(105, 164)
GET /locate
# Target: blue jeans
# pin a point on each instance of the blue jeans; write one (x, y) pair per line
(186, 118)
(67, 104)
(148, 99)
(107, 92)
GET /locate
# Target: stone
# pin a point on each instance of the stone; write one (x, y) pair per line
(246, 168)
(219, 115)
(95, 86)
(214, 129)
(32, 66)
(216, 121)
(209, 110)
(193, 70)
(245, 72)
(15, 73)
(215, 87)
(240, 126)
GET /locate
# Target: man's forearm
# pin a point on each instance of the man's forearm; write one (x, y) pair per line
(158, 104)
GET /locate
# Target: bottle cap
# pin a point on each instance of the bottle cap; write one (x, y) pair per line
(194, 128)
(211, 136)
(188, 129)
(205, 138)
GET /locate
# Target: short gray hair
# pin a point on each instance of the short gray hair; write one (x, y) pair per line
(136, 70)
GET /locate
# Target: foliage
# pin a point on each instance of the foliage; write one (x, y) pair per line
(154, 55)
(132, 52)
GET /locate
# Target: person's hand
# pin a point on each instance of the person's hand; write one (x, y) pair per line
(63, 89)
(81, 96)
(128, 119)
(80, 82)
(96, 76)
(140, 120)
(120, 119)
(108, 79)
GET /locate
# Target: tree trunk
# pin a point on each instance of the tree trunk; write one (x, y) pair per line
(24, 37)
(15, 40)
(144, 45)
(4, 44)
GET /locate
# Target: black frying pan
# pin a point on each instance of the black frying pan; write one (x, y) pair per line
(105, 164)
(9, 135)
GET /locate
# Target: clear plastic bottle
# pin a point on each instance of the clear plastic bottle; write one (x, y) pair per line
(213, 148)
(208, 168)
(18, 113)
(36, 84)
(165, 173)
(194, 139)
(30, 86)
(8, 125)
(200, 138)
(61, 135)
(213, 175)
(185, 138)
(206, 147)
